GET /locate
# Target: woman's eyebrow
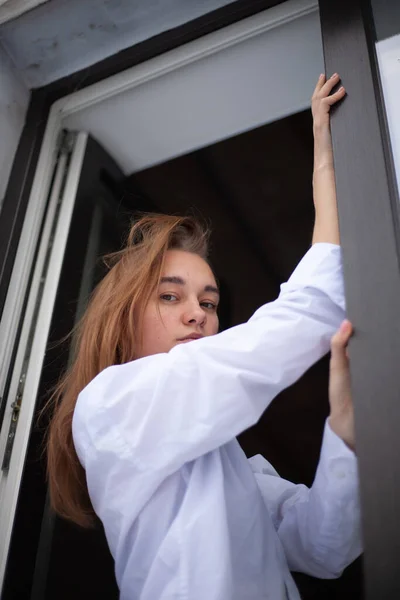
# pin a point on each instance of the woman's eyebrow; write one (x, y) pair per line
(212, 288)
(179, 281)
(173, 279)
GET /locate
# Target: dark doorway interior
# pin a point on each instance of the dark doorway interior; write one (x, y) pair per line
(255, 189)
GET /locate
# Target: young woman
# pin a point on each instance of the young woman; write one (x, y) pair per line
(144, 436)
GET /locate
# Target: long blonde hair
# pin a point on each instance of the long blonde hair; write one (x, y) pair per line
(107, 335)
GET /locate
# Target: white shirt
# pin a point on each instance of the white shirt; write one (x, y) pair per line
(186, 515)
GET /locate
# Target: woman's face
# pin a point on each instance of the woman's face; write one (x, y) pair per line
(183, 308)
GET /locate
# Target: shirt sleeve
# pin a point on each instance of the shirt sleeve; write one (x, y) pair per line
(162, 411)
(319, 527)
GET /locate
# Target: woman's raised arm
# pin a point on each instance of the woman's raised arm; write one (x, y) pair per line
(326, 227)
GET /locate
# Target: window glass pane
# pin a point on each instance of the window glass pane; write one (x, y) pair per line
(386, 15)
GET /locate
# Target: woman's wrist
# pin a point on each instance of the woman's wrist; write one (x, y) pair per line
(324, 166)
(323, 153)
(321, 126)
(341, 428)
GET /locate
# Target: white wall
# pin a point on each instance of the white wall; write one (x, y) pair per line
(388, 52)
(14, 99)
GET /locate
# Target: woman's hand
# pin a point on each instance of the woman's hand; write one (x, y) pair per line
(322, 100)
(326, 227)
(341, 418)
(321, 103)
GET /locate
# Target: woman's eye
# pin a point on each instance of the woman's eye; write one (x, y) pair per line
(168, 297)
(209, 305)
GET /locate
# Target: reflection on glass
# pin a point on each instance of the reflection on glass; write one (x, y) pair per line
(386, 15)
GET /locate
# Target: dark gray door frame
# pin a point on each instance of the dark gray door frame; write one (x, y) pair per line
(368, 213)
(370, 239)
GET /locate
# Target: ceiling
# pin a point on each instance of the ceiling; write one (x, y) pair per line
(60, 37)
(388, 53)
(263, 78)
(11, 9)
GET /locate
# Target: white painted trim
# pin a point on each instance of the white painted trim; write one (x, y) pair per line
(10, 481)
(19, 359)
(184, 55)
(29, 236)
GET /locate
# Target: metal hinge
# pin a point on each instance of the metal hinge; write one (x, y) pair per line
(65, 142)
(16, 407)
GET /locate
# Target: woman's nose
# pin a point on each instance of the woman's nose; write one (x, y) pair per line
(195, 315)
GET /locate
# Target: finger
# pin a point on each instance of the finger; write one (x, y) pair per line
(330, 84)
(339, 356)
(342, 336)
(339, 360)
(346, 330)
(335, 97)
(320, 84)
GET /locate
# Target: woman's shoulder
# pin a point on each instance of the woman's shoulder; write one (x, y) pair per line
(115, 379)
(110, 397)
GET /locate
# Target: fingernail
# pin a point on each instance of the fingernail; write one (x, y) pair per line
(322, 75)
(345, 326)
(334, 75)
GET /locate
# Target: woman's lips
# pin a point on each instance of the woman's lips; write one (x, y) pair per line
(190, 338)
